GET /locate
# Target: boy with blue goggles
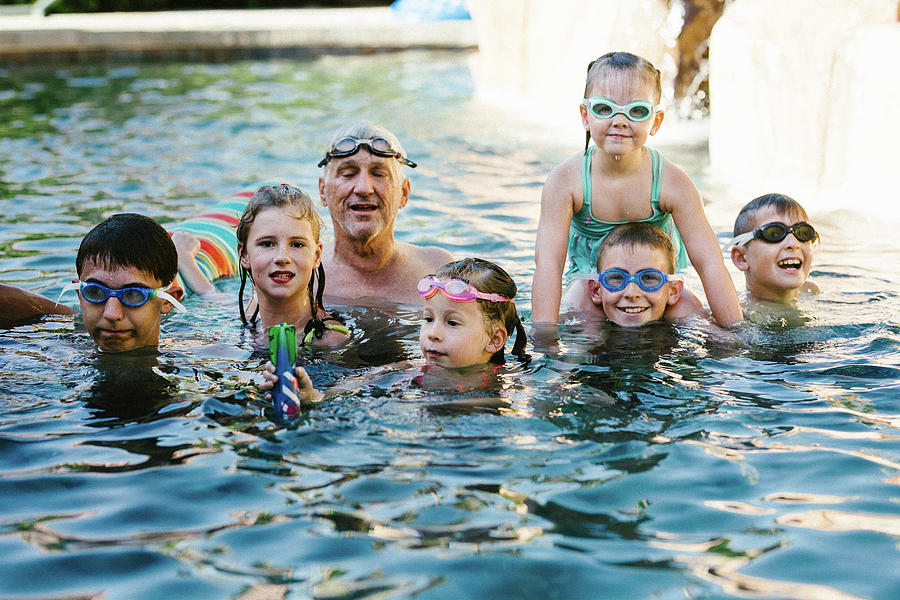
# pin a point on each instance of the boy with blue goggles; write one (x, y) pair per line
(125, 266)
(133, 297)
(635, 284)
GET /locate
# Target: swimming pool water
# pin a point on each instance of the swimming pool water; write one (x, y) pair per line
(673, 462)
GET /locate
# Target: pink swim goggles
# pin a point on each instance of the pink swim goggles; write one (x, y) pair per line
(455, 289)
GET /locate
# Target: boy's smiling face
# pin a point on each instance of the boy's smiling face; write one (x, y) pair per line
(633, 306)
(774, 271)
(114, 326)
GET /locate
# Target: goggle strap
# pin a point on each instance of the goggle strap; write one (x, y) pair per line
(161, 293)
(492, 297)
(69, 287)
(740, 240)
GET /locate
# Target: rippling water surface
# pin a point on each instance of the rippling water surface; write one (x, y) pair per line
(665, 463)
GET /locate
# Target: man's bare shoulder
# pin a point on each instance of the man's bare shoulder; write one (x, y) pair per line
(425, 258)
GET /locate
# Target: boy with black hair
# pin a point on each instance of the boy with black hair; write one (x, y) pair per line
(125, 265)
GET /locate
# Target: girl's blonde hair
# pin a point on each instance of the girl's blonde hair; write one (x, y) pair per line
(490, 279)
(292, 198)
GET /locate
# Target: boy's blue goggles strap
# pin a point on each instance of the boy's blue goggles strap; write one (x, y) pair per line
(133, 297)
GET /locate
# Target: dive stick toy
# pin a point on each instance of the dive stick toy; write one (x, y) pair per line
(283, 353)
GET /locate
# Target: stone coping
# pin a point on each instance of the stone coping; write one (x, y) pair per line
(220, 32)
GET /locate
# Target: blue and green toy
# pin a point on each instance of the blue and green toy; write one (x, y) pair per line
(283, 353)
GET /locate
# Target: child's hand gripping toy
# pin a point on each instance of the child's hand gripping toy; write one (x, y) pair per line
(283, 352)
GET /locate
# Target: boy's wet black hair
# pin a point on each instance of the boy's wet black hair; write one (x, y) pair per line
(130, 240)
(491, 279)
(745, 220)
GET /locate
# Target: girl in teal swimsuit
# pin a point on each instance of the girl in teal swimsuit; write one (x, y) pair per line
(618, 180)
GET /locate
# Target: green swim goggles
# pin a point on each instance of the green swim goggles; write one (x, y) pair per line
(602, 108)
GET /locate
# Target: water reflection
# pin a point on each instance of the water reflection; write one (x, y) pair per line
(128, 389)
(666, 461)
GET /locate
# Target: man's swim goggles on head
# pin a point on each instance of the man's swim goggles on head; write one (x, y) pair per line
(133, 297)
(349, 145)
(773, 233)
(455, 289)
(616, 280)
(639, 110)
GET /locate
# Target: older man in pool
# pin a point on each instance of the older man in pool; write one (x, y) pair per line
(364, 187)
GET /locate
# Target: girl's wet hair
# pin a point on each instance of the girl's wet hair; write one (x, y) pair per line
(622, 63)
(294, 199)
(490, 279)
(130, 240)
(783, 204)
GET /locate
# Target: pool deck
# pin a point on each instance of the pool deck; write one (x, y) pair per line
(222, 33)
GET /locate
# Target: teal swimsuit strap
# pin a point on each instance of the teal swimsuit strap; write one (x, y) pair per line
(586, 180)
(656, 161)
(655, 184)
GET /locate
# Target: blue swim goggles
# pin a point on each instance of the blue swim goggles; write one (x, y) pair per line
(134, 296)
(616, 280)
(639, 110)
